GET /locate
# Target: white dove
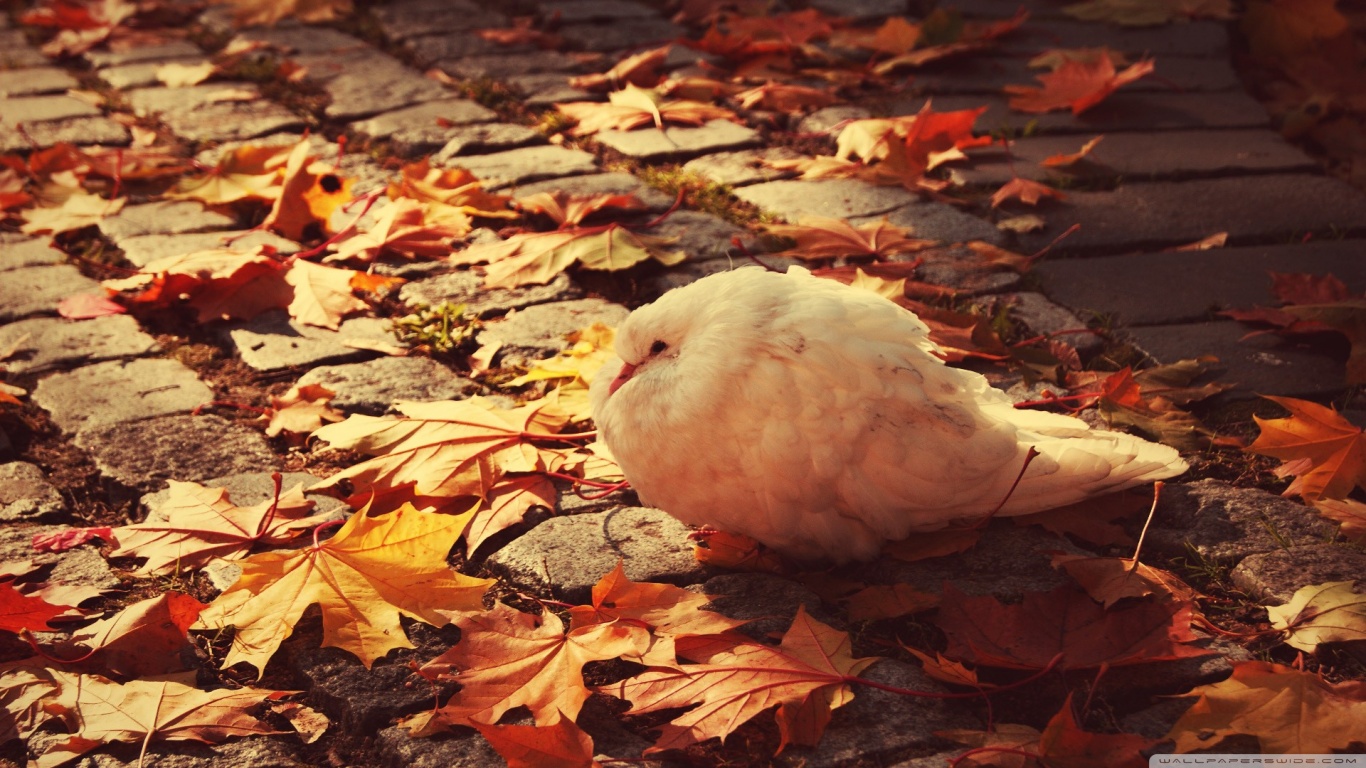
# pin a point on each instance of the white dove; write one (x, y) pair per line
(815, 418)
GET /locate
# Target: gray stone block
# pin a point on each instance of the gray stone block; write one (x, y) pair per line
(939, 221)
(523, 166)
(738, 169)
(989, 74)
(1138, 156)
(701, 236)
(1194, 38)
(379, 88)
(1260, 365)
(82, 567)
(58, 343)
(213, 112)
(677, 142)
(872, 10)
(81, 131)
(248, 488)
(456, 45)
(479, 140)
(145, 454)
(120, 391)
(1278, 574)
(41, 109)
(17, 52)
(36, 80)
(173, 49)
(568, 555)
(840, 198)
(141, 74)
(163, 217)
(547, 89)
(26, 495)
(142, 250)
(1121, 111)
(374, 386)
(1159, 214)
(19, 251)
(36, 290)
(615, 183)
(621, 33)
(413, 18)
(424, 127)
(273, 341)
(499, 66)
(577, 11)
(467, 288)
(541, 331)
(293, 38)
(1186, 286)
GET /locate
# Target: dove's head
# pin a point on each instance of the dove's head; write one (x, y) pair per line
(682, 351)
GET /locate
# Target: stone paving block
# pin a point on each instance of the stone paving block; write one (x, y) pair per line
(35, 80)
(577, 11)
(547, 89)
(679, 141)
(1141, 155)
(990, 74)
(621, 34)
(522, 166)
(412, 18)
(1121, 111)
(163, 217)
(55, 342)
(747, 166)
(500, 65)
(1226, 524)
(367, 172)
(398, 748)
(273, 341)
(372, 387)
(378, 88)
(26, 495)
(614, 183)
(429, 49)
(425, 127)
(36, 290)
(1187, 286)
(18, 251)
(81, 131)
(938, 221)
(841, 198)
(1277, 575)
(82, 567)
(213, 112)
(39, 109)
(174, 49)
(142, 250)
(1162, 213)
(141, 74)
(119, 391)
(15, 52)
(1194, 38)
(566, 556)
(467, 288)
(830, 120)
(290, 37)
(541, 330)
(145, 454)
(1260, 365)
(482, 139)
(701, 236)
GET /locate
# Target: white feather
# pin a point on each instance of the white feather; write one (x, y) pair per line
(815, 418)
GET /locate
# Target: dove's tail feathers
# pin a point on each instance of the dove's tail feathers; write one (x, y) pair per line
(1070, 469)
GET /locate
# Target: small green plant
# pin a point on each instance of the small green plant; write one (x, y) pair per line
(442, 329)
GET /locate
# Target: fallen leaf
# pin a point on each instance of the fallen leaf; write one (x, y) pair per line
(1111, 579)
(310, 193)
(506, 505)
(1029, 635)
(20, 612)
(1321, 613)
(569, 210)
(506, 659)
(634, 107)
(1261, 698)
(309, 723)
(663, 608)
(249, 172)
(1216, 240)
(822, 237)
(945, 669)
(98, 711)
(1349, 512)
(253, 13)
(78, 210)
(735, 551)
(923, 546)
(1062, 743)
(323, 295)
(1325, 452)
(301, 410)
(1092, 520)
(807, 677)
(449, 195)
(198, 524)
(177, 75)
(1075, 85)
(61, 541)
(84, 306)
(401, 228)
(536, 258)
(1059, 161)
(145, 639)
(219, 283)
(1027, 191)
(782, 97)
(558, 744)
(888, 601)
(1022, 224)
(644, 69)
(374, 570)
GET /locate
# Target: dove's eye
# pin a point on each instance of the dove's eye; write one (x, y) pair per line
(658, 347)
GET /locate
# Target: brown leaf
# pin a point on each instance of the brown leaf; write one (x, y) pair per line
(633, 107)
(1027, 191)
(569, 210)
(1262, 699)
(19, 612)
(806, 677)
(821, 237)
(506, 659)
(536, 258)
(888, 601)
(1075, 85)
(1091, 520)
(145, 639)
(1066, 620)
(301, 411)
(1059, 161)
(323, 295)
(923, 546)
(1111, 579)
(506, 505)
(1332, 612)
(401, 228)
(558, 744)
(735, 551)
(663, 608)
(253, 13)
(1349, 512)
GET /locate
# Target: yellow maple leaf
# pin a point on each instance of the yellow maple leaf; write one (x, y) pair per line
(374, 570)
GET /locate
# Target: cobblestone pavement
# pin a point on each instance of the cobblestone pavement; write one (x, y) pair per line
(1186, 155)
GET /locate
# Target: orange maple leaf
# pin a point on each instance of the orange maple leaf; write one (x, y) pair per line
(663, 608)
(1111, 579)
(1075, 85)
(144, 639)
(1027, 191)
(219, 283)
(821, 237)
(301, 410)
(310, 193)
(1261, 698)
(1325, 452)
(506, 659)
(401, 228)
(807, 677)
(374, 570)
(196, 524)
(569, 210)
(558, 744)
(1062, 743)
(536, 258)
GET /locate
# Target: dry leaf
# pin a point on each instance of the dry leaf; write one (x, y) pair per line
(1321, 613)
(1325, 452)
(1075, 85)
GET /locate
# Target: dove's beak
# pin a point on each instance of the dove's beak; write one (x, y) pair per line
(623, 376)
